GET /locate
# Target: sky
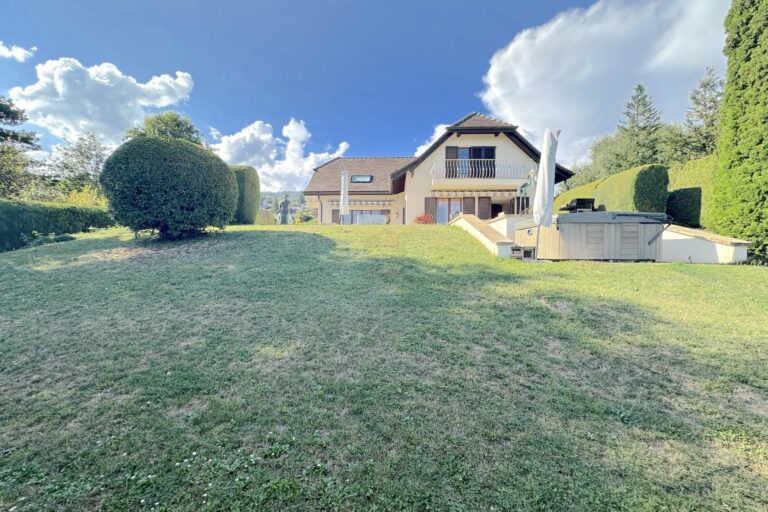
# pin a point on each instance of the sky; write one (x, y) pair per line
(287, 85)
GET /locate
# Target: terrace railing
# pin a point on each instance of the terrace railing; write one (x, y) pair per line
(477, 168)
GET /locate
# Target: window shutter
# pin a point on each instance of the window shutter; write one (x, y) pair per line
(430, 207)
(468, 205)
(335, 217)
(483, 208)
(386, 212)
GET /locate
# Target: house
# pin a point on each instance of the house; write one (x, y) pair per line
(475, 167)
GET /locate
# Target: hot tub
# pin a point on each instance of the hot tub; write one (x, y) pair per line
(629, 236)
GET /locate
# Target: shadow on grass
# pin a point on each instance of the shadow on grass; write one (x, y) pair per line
(309, 375)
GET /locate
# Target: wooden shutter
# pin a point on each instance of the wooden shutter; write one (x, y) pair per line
(430, 207)
(335, 217)
(386, 212)
(451, 165)
(483, 208)
(468, 205)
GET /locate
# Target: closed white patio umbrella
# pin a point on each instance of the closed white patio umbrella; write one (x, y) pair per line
(344, 199)
(545, 183)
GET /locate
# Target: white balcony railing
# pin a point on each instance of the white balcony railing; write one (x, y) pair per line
(481, 169)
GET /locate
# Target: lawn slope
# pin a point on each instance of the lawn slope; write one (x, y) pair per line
(375, 368)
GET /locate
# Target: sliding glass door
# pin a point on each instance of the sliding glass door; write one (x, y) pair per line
(447, 209)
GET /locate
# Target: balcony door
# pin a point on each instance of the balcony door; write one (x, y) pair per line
(462, 162)
(470, 162)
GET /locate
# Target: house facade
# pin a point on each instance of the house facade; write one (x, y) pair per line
(477, 166)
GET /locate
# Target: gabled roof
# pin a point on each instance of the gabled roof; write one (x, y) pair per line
(389, 172)
(480, 123)
(327, 178)
(476, 120)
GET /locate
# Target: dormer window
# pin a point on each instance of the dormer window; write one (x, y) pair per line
(361, 178)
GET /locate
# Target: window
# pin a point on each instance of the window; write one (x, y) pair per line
(448, 209)
(356, 214)
(362, 178)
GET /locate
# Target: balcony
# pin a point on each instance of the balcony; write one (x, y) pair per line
(490, 174)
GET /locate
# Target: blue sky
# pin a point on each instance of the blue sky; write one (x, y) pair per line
(366, 78)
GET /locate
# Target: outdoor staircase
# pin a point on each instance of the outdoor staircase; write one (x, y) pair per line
(494, 241)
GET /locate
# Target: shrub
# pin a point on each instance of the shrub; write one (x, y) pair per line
(247, 194)
(640, 189)
(22, 221)
(89, 195)
(171, 185)
(424, 218)
(690, 192)
(741, 180)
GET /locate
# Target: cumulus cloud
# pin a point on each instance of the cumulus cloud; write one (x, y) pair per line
(439, 131)
(16, 53)
(282, 163)
(577, 71)
(70, 99)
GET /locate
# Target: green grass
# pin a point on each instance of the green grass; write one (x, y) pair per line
(375, 368)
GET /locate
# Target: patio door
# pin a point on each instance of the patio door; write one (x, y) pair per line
(448, 208)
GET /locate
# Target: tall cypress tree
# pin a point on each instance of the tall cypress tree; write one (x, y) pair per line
(741, 182)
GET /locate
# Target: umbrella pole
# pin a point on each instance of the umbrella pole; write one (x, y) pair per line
(536, 249)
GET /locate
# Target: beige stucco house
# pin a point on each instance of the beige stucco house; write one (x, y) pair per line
(476, 167)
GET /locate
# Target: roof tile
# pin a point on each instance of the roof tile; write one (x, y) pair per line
(327, 177)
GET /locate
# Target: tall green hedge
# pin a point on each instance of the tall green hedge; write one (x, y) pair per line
(640, 189)
(690, 192)
(19, 219)
(741, 181)
(248, 194)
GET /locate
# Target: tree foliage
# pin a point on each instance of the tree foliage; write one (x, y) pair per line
(79, 164)
(702, 115)
(642, 138)
(639, 130)
(11, 115)
(13, 170)
(741, 180)
(167, 125)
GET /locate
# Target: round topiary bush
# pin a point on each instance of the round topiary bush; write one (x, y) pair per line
(171, 185)
(247, 194)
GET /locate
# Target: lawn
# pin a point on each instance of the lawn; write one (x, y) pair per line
(375, 368)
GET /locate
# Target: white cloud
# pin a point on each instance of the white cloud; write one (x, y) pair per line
(70, 99)
(439, 131)
(577, 71)
(16, 53)
(281, 162)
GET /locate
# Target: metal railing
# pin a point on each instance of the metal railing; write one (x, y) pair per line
(481, 168)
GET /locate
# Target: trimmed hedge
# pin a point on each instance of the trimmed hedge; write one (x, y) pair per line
(248, 194)
(690, 192)
(741, 181)
(640, 189)
(171, 185)
(20, 219)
